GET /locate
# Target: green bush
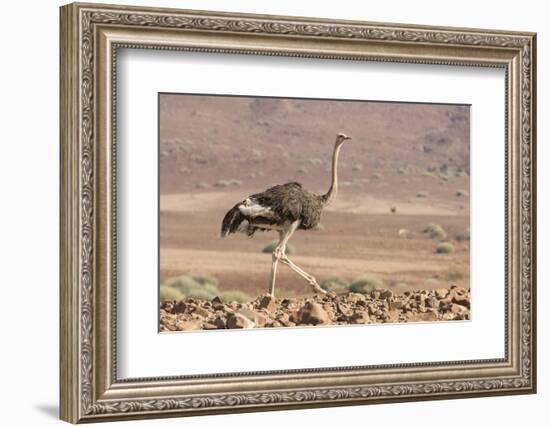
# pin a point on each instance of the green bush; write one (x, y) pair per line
(461, 193)
(456, 272)
(189, 287)
(422, 194)
(205, 279)
(445, 248)
(335, 284)
(270, 247)
(238, 296)
(169, 293)
(464, 235)
(366, 284)
(228, 183)
(435, 231)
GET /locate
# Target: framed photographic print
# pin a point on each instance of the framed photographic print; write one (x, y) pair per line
(267, 212)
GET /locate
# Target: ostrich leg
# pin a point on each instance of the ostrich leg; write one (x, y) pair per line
(280, 255)
(310, 279)
(274, 261)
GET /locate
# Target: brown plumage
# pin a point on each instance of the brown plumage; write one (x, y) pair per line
(285, 203)
(284, 208)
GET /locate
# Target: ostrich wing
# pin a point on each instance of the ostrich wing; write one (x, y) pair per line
(274, 207)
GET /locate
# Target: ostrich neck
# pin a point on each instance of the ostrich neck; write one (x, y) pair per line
(333, 190)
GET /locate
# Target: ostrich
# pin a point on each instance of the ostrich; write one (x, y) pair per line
(284, 208)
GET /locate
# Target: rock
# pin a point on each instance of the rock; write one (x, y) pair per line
(411, 317)
(283, 318)
(268, 302)
(258, 318)
(441, 293)
(294, 316)
(391, 316)
(202, 312)
(238, 321)
(343, 308)
(420, 299)
(386, 294)
(218, 306)
(167, 306)
(396, 305)
(458, 309)
(353, 308)
(313, 314)
(209, 326)
(220, 322)
(360, 317)
(432, 302)
(180, 307)
(461, 299)
(189, 325)
(429, 316)
(353, 297)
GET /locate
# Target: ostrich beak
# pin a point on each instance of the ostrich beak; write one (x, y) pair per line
(344, 136)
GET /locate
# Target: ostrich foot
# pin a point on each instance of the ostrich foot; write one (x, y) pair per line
(316, 288)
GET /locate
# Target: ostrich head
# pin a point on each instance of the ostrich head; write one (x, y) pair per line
(341, 138)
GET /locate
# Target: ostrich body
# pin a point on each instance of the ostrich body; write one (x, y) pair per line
(284, 208)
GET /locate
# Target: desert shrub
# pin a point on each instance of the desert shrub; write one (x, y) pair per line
(237, 296)
(205, 279)
(169, 293)
(235, 182)
(202, 185)
(461, 193)
(228, 183)
(376, 176)
(357, 167)
(335, 284)
(199, 159)
(316, 161)
(366, 284)
(463, 235)
(222, 183)
(445, 248)
(456, 272)
(191, 288)
(270, 247)
(422, 194)
(435, 231)
(402, 171)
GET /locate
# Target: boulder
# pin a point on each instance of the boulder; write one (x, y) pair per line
(201, 311)
(386, 294)
(268, 302)
(180, 307)
(441, 293)
(312, 313)
(432, 302)
(189, 325)
(257, 317)
(238, 321)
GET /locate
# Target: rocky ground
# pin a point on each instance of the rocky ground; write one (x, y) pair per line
(380, 306)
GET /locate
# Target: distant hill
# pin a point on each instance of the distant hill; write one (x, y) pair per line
(208, 142)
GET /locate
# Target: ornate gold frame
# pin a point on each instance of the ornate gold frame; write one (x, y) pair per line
(90, 36)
